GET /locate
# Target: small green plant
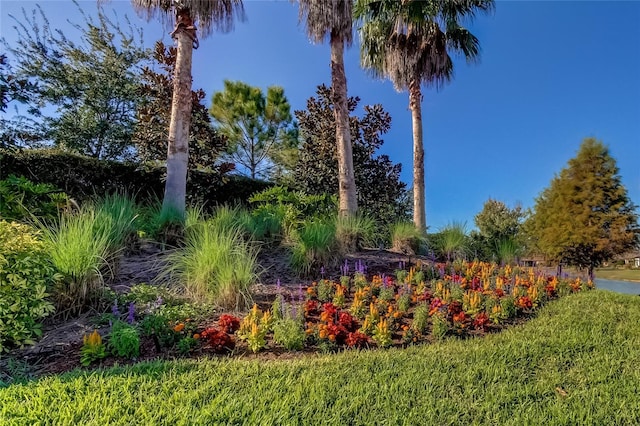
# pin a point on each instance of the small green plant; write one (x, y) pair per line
(420, 318)
(440, 326)
(254, 328)
(289, 333)
(21, 199)
(92, 349)
(452, 241)
(325, 290)
(404, 301)
(508, 307)
(387, 293)
(124, 340)
(187, 344)
(26, 276)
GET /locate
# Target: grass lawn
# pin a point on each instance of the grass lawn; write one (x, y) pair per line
(618, 274)
(578, 362)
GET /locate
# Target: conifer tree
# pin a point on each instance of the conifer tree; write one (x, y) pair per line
(585, 216)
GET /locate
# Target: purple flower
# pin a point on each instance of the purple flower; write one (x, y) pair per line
(114, 309)
(132, 312)
(322, 271)
(278, 289)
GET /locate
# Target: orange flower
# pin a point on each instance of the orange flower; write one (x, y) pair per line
(179, 327)
(196, 336)
(332, 337)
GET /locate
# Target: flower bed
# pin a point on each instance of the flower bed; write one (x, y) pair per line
(358, 311)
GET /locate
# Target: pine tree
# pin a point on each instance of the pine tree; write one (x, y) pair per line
(585, 216)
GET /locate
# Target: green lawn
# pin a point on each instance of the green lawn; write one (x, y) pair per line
(578, 362)
(618, 274)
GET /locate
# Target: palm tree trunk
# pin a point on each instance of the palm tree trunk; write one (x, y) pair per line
(178, 147)
(346, 178)
(415, 104)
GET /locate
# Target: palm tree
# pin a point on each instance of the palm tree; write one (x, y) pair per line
(333, 19)
(211, 15)
(408, 42)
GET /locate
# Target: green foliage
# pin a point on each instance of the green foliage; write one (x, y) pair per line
(154, 115)
(116, 216)
(289, 333)
(405, 237)
(325, 290)
(26, 276)
(93, 85)
(93, 349)
(420, 318)
(499, 231)
(451, 241)
(22, 199)
(186, 345)
(80, 249)
(314, 246)
(256, 126)
(585, 216)
(381, 194)
(354, 232)
(215, 265)
(440, 326)
(124, 340)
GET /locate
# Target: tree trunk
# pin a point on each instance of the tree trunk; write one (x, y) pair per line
(175, 189)
(346, 178)
(415, 104)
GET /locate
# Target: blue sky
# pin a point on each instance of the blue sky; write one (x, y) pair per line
(551, 73)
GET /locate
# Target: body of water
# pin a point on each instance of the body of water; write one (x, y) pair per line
(625, 287)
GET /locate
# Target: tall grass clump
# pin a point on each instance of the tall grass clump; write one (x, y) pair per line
(507, 250)
(314, 246)
(354, 232)
(452, 241)
(81, 254)
(163, 225)
(406, 237)
(216, 264)
(116, 216)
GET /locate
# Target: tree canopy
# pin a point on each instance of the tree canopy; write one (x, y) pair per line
(585, 216)
(381, 194)
(93, 85)
(258, 127)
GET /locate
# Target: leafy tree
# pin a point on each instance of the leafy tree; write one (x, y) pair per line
(154, 115)
(93, 85)
(334, 19)
(257, 126)
(381, 191)
(499, 226)
(210, 15)
(409, 43)
(585, 216)
(12, 88)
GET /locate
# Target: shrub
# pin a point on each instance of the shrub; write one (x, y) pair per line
(26, 275)
(228, 323)
(406, 238)
(314, 246)
(354, 232)
(124, 340)
(215, 264)
(22, 199)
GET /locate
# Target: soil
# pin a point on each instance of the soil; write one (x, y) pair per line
(58, 349)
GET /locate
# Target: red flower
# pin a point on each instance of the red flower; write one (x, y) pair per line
(229, 323)
(455, 308)
(482, 321)
(524, 302)
(310, 307)
(357, 339)
(218, 340)
(347, 321)
(498, 292)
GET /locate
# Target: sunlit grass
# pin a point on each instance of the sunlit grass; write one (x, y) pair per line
(313, 246)
(576, 363)
(618, 274)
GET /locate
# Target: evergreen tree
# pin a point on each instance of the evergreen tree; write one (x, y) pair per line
(381, 194)
(585, 216)
(258, 127)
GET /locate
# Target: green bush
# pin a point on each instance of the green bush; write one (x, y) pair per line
(124, 340)
(26, 275)
(289, 333)
(22, 199)
(354, 232)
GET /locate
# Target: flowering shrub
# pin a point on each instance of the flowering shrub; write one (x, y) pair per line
(92, 349)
